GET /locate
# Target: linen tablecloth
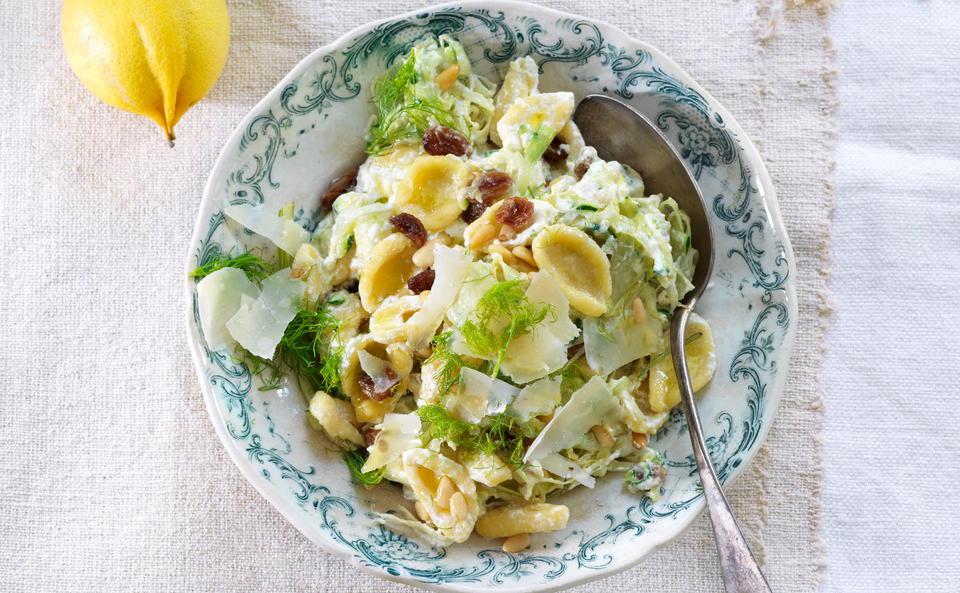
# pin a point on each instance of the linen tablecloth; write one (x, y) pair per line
(891, 519)
(112, 478)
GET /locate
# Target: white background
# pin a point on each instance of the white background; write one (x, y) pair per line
(891, 514)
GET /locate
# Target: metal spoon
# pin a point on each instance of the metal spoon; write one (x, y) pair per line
(621, 134)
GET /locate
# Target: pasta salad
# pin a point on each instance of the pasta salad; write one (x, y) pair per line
(481, 315)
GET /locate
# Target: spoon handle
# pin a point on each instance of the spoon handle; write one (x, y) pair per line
(741, 573)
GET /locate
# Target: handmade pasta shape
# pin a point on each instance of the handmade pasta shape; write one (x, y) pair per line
(431, 190)
(387, 271)
(537, 115)
(336, 417)
(401, 363)
(487, 468)
(346, 308)
(379, 175)
(388, 324)
(519, 82)
(701, 361)
(308, 266)
(634, 401)
(577, 264)
(445, 490)
(527, 518)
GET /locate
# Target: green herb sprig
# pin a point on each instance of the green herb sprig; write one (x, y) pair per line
(355, 460)
(504, 301)
(252, 265)
(402, 112)
(448, 375)
(306, 350)
(500, 433)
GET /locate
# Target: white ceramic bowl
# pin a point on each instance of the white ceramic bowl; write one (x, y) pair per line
(310, 129)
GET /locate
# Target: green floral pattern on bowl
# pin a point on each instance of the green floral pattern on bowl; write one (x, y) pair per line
(310, 129)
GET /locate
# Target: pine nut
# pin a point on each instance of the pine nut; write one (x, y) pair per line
(423, 295)
(444, 491)
(421, 511)
(481, 235)
(602, 434)
(458, 506)
(507, 232)
(522, 266)
(523, 253)
(639, 311)
(504, 253)
(516, 543)
(446, 78)
(423, 257)
(639, 441)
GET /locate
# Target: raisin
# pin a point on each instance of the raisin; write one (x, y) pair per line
(410, 225)
(555, 153)
(581, 168)
(493, 186)
(367, 385)
(659, 473)
(370, 436)
(516, 212)
(474, 210)
(440, 141)
(339, 187)
(422, 281)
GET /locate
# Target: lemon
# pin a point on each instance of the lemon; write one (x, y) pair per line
(156, 58)
(701, 362)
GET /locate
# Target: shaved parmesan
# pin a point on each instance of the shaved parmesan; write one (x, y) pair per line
(451, 267)
(398, 433)
(285, 233)
(480, 395)
(611, 342)
(544, 350)
(589, 405)
(383, 375)
(218, 299)
(540, 397)
(259, 324)
(478, 281)
(533, 355)
(563, 467)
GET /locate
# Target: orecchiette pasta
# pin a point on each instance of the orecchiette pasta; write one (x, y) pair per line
(431, 191)
(701, 361)
(487, 468)
(578, 265)
(520, 81)
(445, 490)
(336, 417)
(388, 323)
(526, 518)
(545, 114)
(400, 361)
(387, 271)
(382, 174)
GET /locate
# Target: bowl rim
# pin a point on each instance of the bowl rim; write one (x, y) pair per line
(653, 541)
